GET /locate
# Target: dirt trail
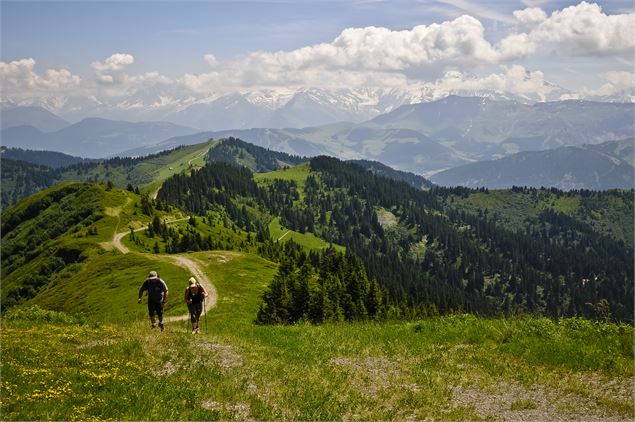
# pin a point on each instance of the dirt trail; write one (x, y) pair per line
(116, 239)
(194, 268)
(282, 237)
(191, 265)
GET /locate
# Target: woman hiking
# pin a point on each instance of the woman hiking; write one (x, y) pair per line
(195, 294)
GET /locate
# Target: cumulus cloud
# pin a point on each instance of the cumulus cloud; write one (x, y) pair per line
(618, 84)
(210, 59)
(110, 71)
(530, 17)
(360, 55)
(19, 79)
(371, 55)
(581, 30)
(437, 56)
(515, 80)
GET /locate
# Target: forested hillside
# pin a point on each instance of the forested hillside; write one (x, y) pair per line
(235, 151)
(45, 158)
(380, 169)
(20, 179)
(431, 256)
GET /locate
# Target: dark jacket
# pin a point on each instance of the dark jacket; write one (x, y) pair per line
(157, 290)
(197, 297)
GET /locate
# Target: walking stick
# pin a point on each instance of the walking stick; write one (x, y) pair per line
(205, 311)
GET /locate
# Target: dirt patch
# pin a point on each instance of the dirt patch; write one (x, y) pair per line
(239, 411)
(224, 257)
(95, 343)
(386, 218)
(371, 374)
(510, 401)
(112, 211)
(167, 370)
(223, 355)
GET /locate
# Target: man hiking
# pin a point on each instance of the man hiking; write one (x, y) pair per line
(157, 296)
(195, 294)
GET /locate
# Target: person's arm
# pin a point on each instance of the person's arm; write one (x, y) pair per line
(187, 295)
(204, 291)
(143, 288)
(165, 290)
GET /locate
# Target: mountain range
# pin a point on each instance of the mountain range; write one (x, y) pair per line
(38, 117)
(430, 137)
(605, 166)
(92, 137)
(423, 138)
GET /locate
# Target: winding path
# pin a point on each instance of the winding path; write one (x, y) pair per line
(190, 264)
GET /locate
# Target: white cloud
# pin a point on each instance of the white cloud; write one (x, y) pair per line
(530, 17)
(515, 80)
(618, 84)
(210, 59)
(114, 63)
(581, 30)
(19, 80)
(437, 56)
(110, 71)
(359, 56)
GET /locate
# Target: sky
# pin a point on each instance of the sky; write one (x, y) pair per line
(170, 54)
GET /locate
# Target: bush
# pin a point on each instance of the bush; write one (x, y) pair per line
(37, 314)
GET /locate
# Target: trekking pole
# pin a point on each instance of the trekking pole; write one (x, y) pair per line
(205, 311)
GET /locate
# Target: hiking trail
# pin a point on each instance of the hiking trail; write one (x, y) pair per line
(286, 233)
(189, 264)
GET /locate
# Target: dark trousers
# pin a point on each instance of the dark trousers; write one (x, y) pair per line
(155, 308)
(196, 309)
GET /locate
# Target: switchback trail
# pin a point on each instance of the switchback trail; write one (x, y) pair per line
(191, 265)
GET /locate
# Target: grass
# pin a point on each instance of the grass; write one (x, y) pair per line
(456, 367)
(100, 360)
(297, 174)
(149, 173)
(306, 240)
(610, 214)
(160, 168)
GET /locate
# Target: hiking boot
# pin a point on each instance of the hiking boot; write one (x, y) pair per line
(194, 331)
(161, 326)
(154, 326)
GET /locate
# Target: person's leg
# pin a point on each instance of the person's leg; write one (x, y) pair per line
(199, 310)
(151, 311)
(191, 307)
(160, 314)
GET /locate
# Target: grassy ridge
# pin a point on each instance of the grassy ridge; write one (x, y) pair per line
(306, 240)
(457, 367)
(610, 214)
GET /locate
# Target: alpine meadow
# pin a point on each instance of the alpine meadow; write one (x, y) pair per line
(317, 211)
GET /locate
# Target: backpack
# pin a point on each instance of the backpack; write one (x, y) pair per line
(155, 290)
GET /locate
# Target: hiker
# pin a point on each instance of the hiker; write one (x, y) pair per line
(157, 296)
(195, 294)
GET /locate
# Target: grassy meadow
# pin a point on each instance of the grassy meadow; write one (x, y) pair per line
(460, 367)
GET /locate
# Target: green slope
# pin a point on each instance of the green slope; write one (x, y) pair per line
(451, 368)
(20, 179)
(107, 363)
(609, 213)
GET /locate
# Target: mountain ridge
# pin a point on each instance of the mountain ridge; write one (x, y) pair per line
(572, 167)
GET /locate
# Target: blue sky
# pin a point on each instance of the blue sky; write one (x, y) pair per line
(171, 39)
